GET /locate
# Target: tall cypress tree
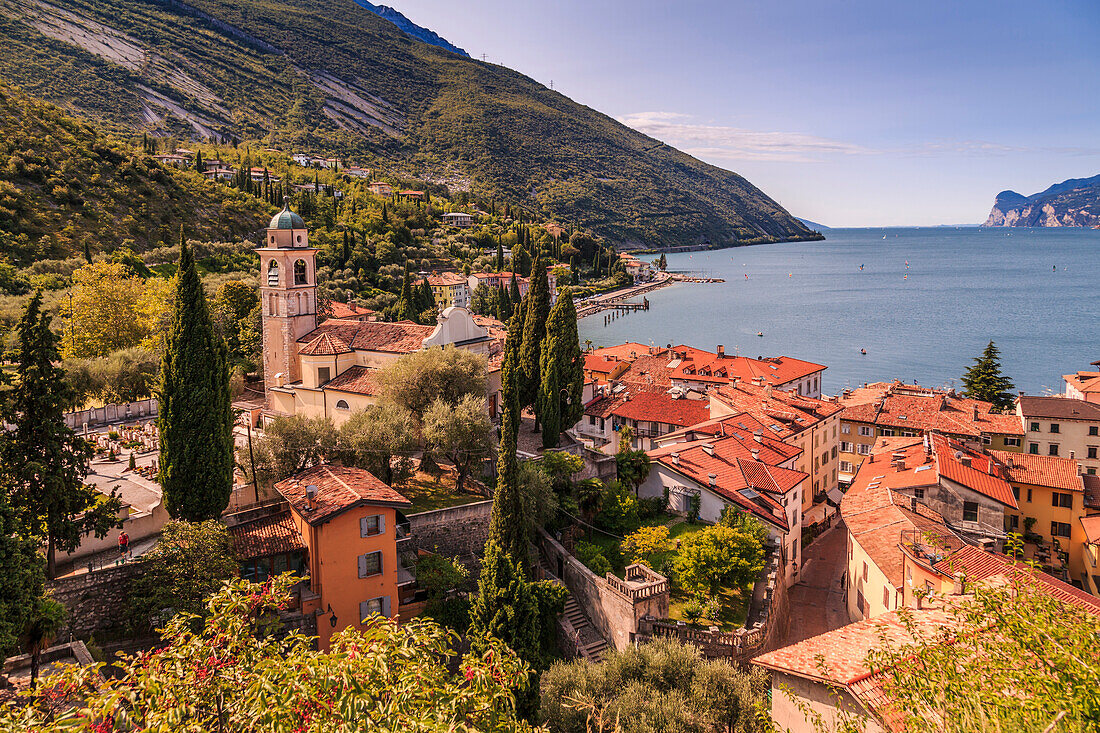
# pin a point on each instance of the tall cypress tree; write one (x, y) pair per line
(513, 291)
(404, 307)
(984, 380)
(507, 525)
(504, 304)
(534, 333)
(500, 255)
(562, 370)
(45, 461)
(195, 417)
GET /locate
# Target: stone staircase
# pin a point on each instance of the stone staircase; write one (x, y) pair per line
(590, 643)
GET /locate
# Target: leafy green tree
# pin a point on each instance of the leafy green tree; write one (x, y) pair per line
(984, 380)
(618, 509)
(21, 574)
(593, 558)
(460, 431)
(122, 376)
(417, 380)
(647, 544)
(195, 420)
(632, 466)
(562, 372)
(660, 687)
(106, 313)
(227, 671)
(293, 443)
(191, 561)
(46, 461)
(41, 628)
(483, 300)
(379, 438)
(233, 303)
(534, 333)
(718, 557)
(560, 467)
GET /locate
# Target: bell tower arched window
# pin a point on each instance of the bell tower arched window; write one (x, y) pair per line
(300, 272)
(273, 274)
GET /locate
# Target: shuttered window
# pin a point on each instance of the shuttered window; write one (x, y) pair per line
(371, 525)
(370, 564)
(374, 605)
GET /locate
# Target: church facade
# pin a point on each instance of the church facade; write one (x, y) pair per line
(330, 369)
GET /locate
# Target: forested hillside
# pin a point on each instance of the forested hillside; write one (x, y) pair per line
(330, 77)
(66, 187)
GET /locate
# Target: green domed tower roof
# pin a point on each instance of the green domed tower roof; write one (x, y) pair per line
(286, 219)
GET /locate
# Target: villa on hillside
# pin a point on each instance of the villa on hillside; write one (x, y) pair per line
(459, 219)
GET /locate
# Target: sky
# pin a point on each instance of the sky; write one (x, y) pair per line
(856, 113)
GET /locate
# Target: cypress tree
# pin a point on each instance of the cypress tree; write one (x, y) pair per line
(43, 463)
(345, 253)
(404, 305)
(500, 255)
(198, 161)
(508, 527)
(534, 333)
(195, 418)
(984, 380)
(87, 252)
(513, 291)
(562, 372)
(504, 304)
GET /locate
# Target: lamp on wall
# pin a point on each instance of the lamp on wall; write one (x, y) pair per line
(331, 614)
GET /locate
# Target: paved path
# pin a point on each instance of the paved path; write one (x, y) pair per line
(817, 601)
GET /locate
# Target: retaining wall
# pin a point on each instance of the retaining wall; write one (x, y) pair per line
(458, 531)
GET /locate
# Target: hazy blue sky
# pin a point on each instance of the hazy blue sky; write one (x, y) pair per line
(848, 113)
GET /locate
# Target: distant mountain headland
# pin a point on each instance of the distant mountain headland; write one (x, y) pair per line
(1072, 203)
(420, 33)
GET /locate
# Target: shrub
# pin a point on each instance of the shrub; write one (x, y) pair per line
(650, 507)
(618, 510)
(647, 545)
(593, 558)
(693, 611)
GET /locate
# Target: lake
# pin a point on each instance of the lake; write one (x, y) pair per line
(925, 303)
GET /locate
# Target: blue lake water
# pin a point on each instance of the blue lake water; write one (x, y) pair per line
(1033, 291)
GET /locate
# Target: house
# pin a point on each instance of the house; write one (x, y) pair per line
(637, 269)
(351, 311)
(496, 280)
(259, 175)
(211, 164)
(174, 159)
(1084, 385)
(220, 174)
(1062, 426)
(302, 159)
(809, 424)
(751, 475)
(554, 230)
(380, 188)
(351, 528)
(649, 414)
(459, 219)
(450, 289)
(410, 195)
(356, 172)
(327, 370)
(884, 409)
(269, 545)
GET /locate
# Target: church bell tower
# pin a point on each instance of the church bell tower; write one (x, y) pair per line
(288, 292)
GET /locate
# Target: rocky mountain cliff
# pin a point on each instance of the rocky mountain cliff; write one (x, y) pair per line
(331, 77)
(418, 32)
(1071, 203)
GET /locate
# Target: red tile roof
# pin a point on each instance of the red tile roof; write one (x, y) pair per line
(911, 407)
(774, 370)
(1051, 471)
(446, 279)
(662, 408)
(739, 424)
(980, 565)
(1085, 382)
(1092, 490)
(349, 310)
(795, 412)
(1091, 525)
(1059, 408)
(266, 536)
(325, 344)
(983, 475)
(339, 488)
(357, 380)
(403, 337)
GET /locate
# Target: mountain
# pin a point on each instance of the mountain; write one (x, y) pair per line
(329, 76)
(1071, 203)
(65, 185)
(812, 225)
(418, 32)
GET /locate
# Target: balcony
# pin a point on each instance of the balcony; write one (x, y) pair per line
(403, 527)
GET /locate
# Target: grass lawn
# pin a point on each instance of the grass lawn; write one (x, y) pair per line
(427, 492)
(733, 608)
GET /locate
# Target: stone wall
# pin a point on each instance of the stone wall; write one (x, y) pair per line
(97, 601)
(458, 531)
(110, 414)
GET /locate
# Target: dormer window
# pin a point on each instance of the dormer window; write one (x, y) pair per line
(300, 272)
(273, 274)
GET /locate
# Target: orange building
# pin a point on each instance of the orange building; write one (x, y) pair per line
(352, 528)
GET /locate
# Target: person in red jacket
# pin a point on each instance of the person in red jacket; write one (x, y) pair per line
(123, 544)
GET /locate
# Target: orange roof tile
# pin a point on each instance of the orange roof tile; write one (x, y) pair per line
(348, 310)
(339, 488)
(326, 344)
(1091, 525)
(356, 380)
(266, 536)
(983, 475)
(1092, 490)
(662, 408)
(796, 412)
(1085, 382)
(1059, 408)
(738, 424)
(912, 407)
(704, 365)
(1051, 471)
(402, 337)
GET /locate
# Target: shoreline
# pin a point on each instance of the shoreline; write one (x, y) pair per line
(665, 279)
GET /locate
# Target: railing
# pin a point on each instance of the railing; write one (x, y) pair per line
(653, 583)
(404, 530)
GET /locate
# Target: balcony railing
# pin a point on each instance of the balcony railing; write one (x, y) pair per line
(404, 530)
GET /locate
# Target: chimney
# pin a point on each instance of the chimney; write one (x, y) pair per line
(960, 584)
(758, 436)
(721, 350)
(734, 381)
(975, 413)
(708, 448)
(311, 497)
(965, 460)
(900, 463)
(675, 459)
(913, 503)
(767, 389)
(713, 479)
(756, 454)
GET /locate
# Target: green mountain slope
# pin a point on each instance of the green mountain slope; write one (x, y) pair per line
(64, 184)
(330, 77)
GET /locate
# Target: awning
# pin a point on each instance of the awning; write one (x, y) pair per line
(834, 495)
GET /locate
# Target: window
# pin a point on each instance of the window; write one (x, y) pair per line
(323, 375)
(342, 405)
(1033, 448)
(887, 432)
(1012, 442)
(1034, 427)
(1058, 499)
(1029, 496)
(845, 428)
(863, 449)
(273, 274)
(1092, 451)
(1013, 522)
(1016, 493)
(865, 431)
(372, 525)
(845, 447)
(1094, 429)
(918, 493)
(1053, 449)
(1090, 471)
(300, 272)
(1059, 529)
(380, 606)
(860, 603)
(1054, 428)
(865, 571)
(886, 597)
(370, 564)
(834, 451)
(970, 511)
(986, 440)
(845, 466)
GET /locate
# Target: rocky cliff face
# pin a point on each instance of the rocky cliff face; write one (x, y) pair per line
(418, 32)
(1072, 203)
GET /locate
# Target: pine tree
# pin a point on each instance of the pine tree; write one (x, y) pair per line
(195, 418)
(198, 161)
(562, 372)
(45, 461)
(513, 291)
(87, 252)
(534, 333)
(984, 380)
(500, 255)
(21, 576)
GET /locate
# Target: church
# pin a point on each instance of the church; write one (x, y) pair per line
(330, 369)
